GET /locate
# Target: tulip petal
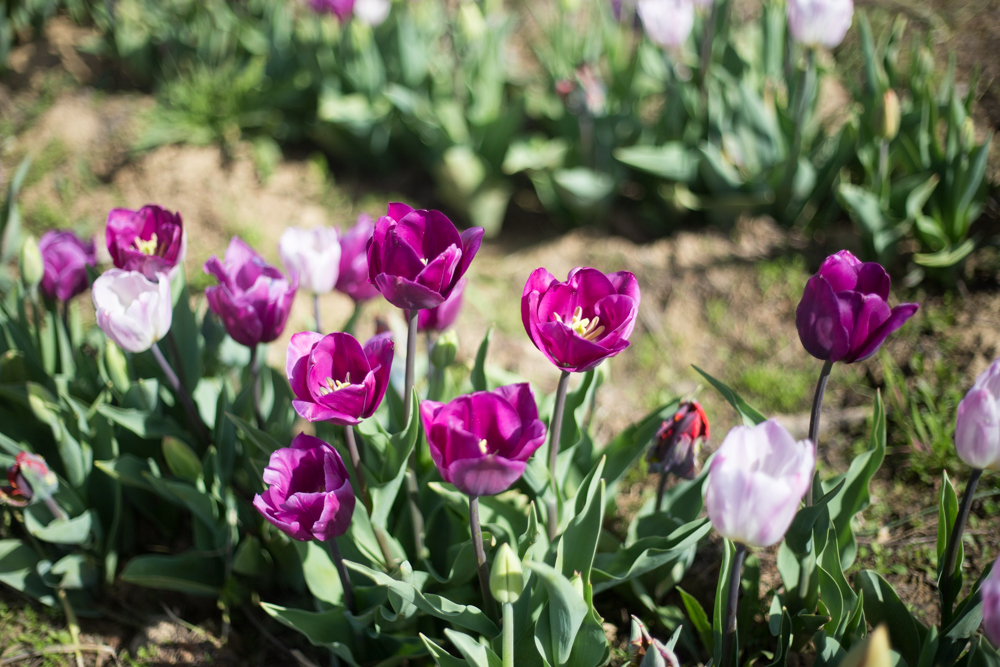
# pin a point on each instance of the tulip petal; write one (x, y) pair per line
(819, 319)
(868, 314)
(626, 284)
(897, 318)
(296, 360)
(471, 240)
(438, 273)
(428, 233)
(873, 279)
(485, 476)
(406, 294)
(519, 396)
(840, 270)
(977, 429)
(379, 352)
(573, 353)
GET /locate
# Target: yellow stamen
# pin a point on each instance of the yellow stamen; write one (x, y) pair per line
(483, 448)
(585, 328)
(335, 385)
(146, 247)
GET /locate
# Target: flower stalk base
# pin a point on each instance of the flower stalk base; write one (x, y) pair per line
(947, 573)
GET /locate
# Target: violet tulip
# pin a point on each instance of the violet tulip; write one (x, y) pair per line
(667, 23)
(353, 276)
(977, 429)
(150, 240)
(481, 442)
(844, 313)
(819, 22)
(253, 298)
(340, 8)
(132, 310)
(442, 317)
(313, 255)
(66, 258)
(676, 446)
(579, 323)
(335, 379)
(417, 257)
(756, 481)
(990, 592)
(310, 495)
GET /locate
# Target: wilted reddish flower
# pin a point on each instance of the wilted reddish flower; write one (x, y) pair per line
(679, 441)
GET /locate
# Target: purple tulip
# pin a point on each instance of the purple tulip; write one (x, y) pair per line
(353, 278)
(977, 429)
(756, 481)
(990, 592)
(442, 317)
(579, 323)
(844, 314)
(253, 298)
(341, 8)
(310, 495)
(481, 442)
(676, 446)
(668, 23)
(416, 257)
(150, 240)
(132, 310)
(66, 258)
(334, 379)
(820, 22)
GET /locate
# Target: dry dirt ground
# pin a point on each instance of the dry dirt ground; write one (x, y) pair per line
(721, 300)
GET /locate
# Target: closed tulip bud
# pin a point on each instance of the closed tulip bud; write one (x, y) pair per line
(31, 263)
(990, 592)
(968, 134)
(507, 577)
(872, 652)
(659, 655)
(576, 581)
(445, 349)
(638, 642)
(977, 428)
(925, 63)
(887, 120)
(117, 366)
(29, 480)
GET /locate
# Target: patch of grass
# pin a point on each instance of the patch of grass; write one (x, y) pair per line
(50, 157)
(23, 627)
(786, 276)
(774, 388)
(716, 311)
(43, 216)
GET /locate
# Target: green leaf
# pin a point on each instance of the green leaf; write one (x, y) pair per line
(579, 540)
(671, 161)
(465, 616)
(476, 654)
(69, 531)
(181, 459)
(441, 657)
(647, 554)
(945, 257)
(566, 612)
(264, 442)
(699, 619)
(947, 513)
(479, 368)
(145, 424)
(719, 611)
(321, 574)
(328, 629)
(184, 339)
(19, 570)
(882, 605)
(749, 415)
(189, 573)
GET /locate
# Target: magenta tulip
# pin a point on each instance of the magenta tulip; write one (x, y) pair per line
(310, 495)
(340, 8)
(66, 258)
(150, 240)
(844, 314)
(990, 592)
(353, 278)
(481, 442)
(442, 317)
(334, 379)
(253, 298)
(417, 257)
(579, 323)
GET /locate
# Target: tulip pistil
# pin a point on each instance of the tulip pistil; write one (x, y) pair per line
(146, 247)
(585, 328)
(483, 447)
(335, 385)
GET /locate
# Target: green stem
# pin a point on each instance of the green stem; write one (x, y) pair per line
(508, 635)
(482, 567)
(555, 428)
(814, 418)
(412, 490)
(353, 319)
(200, 429)
(319, 326)
(948, 573)
(732, 603)
(255, 378)
(345, 579)
(74, 626)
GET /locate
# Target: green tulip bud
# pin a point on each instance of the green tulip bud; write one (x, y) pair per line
(472, 22)
(925, 63)
(968, 134)
(31, 263)
(888, 116)
(639, 640)
(181, 459)
(507, 577)
(114, 361)
(445, 349)
(873, 652)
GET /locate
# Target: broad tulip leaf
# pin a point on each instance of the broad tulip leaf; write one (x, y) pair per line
(882, 605)
(184, 339)
(699, 619)
(566, 611)
(947, 513)
(579, 540)
(321, 574)
(264, 442)
(465, 616)
(591, 646)
(647, 554)
(251, 559)
(147, 425)
(476, 654)
(478, 376)
(328, 629)
(189, 573)
(672, 161)
(719, 611)
(441, 657)
(19, 570)
(76, 530)
(749, 414)
(181, 459)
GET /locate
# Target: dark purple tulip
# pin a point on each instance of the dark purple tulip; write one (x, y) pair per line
(844, 314)
(416, 257)
(66, 258)
(579, 323)
(334, 379)
(342, 8)
(353, 278)
(442, 317)
(150, 240)
(310, 495)
(481, 442)
(676, 446)
(253, 298)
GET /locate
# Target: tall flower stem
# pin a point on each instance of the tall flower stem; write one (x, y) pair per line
(74, 626)
(199, 426)
(801, 103)
(951, 555)
(706, 48)
(255, 378)
(508, 634)
(366, 499)
(732, 603)
(660, 488)
(555, 429)
(814, 418)
(319, 326)
(489, 604)
(416, 518)
(345, 579)
(353, 319)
